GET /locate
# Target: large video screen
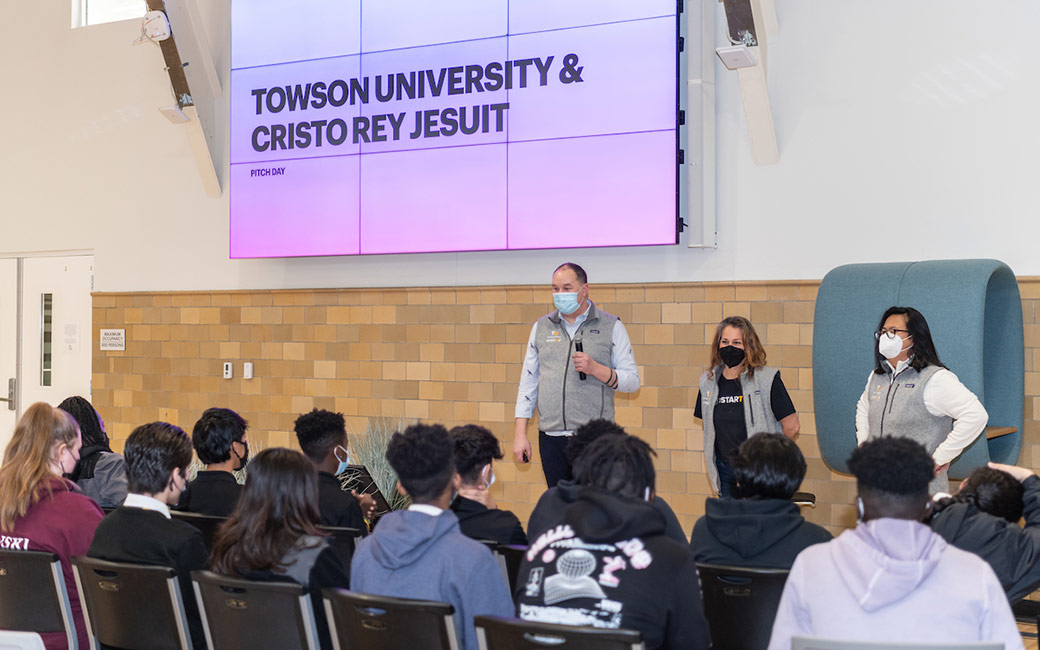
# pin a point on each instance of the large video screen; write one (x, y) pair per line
(402, 126)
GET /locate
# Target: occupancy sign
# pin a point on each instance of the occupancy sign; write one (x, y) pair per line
(397, 126)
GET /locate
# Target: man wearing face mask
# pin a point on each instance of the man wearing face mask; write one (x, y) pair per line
(141, 531)
(219, 438)
(323, 439)
(479, 518)
(910, 393)
(577, 357)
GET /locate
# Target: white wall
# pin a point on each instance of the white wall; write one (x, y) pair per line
(906, 131)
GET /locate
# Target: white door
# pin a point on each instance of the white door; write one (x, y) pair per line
(8, 346)
(56, 329)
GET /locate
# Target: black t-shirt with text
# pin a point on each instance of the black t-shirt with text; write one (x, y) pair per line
(730, 427)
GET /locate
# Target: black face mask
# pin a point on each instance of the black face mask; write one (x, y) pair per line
(731, 356)
(244, 458)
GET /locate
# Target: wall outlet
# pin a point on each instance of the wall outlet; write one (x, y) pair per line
(228, 369)
(247, 370)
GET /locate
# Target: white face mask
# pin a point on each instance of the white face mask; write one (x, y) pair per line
(890, 345)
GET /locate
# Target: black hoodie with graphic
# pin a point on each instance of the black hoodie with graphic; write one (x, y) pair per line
(607, 563)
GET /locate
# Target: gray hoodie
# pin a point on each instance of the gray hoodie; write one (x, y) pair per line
(893, 580)
(411, 554)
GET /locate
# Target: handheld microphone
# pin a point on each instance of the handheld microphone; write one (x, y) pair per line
(578, 348)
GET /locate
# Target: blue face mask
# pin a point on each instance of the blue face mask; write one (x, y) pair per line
(344, 462)
(489, 477)
(567, 303)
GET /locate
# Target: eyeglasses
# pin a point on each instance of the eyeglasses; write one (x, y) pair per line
(891, 332)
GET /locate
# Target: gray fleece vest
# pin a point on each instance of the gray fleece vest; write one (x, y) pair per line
(758, 410)
(301, 558)
(565, 402)
(896, 408)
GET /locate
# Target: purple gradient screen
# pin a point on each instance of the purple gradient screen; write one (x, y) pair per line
(368, 126)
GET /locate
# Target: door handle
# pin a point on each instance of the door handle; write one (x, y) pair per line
(10, 399)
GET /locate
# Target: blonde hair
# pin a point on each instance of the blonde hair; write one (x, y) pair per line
(28, 456)
(754, 353)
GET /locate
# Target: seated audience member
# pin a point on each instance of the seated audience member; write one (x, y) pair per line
(219, 438)
(606, 562)
(142, 531)
(762, 527)
(100, 473)
(982, 518)
(551, 503)
(892, 579)
(41, 511)
(420, 552)
(479, 518)
(323, 438)
(273, 534)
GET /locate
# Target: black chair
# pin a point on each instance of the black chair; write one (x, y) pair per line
(804, 499)
(207, 524)
(1027, 611)
(499, 633)
(740, 604)
(33, 597)
(366, 622)
(132, 605)
(509, 557)
(240, 613)
(344, 540)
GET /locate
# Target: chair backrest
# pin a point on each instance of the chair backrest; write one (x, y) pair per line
(366, 622)
(344, 541)
(21, 641)
(509, 557)
(815, 643)
(500, 633)
(207, 524)
(132, 605)
(740, 604)
(33, 597)
(240, 613)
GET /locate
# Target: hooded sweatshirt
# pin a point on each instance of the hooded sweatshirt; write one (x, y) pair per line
(606, 562)
(893, 580)
(412, 554)
(766, 533)
(549, 509)
(62, 522)
(1012, 552)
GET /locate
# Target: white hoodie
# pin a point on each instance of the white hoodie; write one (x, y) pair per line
(893, 580)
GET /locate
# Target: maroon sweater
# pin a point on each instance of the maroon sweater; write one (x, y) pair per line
(62, 523)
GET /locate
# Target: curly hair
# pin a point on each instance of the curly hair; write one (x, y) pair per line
(423, 457)
(617, 463)
(894, 466)
(585, 434)
(991, 491)
(475, 447)
(318, 432)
